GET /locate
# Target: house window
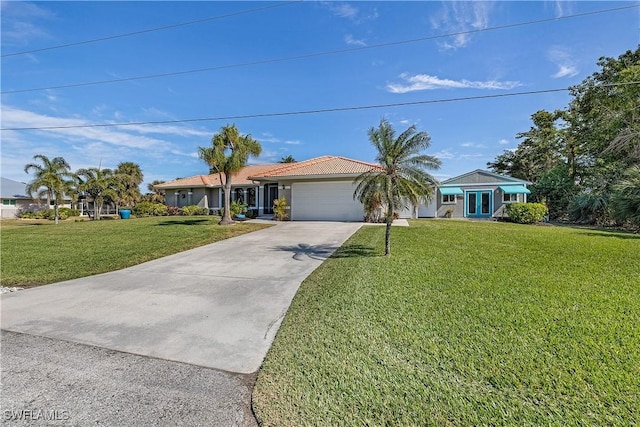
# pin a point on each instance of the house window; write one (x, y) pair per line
(9, 202)
(448, 198)
(251, 195)
(508, 198)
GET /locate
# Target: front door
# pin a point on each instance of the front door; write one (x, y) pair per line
(270, 195)
(478, 204)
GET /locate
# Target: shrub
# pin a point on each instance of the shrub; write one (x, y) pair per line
(68, 212)
(589, 209)
(149, 209)
(173, 211)
(280, 209)
(526, 213)
(194, 210)
(237, 208)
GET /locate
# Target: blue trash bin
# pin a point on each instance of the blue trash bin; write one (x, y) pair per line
(125, 213)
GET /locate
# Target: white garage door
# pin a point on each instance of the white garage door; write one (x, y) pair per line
(325, 201)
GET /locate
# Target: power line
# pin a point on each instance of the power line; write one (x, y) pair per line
(150, 30)
(306, 112)
(317, 54)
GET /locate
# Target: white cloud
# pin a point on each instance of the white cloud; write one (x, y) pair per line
(427, 82)
(562, 8)
(563, 59)
(344, 10)
(460, 17)
(454, 155)
(19, 26)
(503, 141)
(471, 145)
(348, 39)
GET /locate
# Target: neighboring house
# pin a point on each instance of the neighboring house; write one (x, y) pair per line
(316, 189)
(321, 189)
(477, 194)
(14, 198)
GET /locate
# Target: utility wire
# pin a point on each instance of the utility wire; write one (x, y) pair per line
(306, 112)
(317, 54)
(150, 30)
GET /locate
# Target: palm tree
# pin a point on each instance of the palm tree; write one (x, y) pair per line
(626, 196)
(228, 154)
(129, 177)
(51, 178)
(287, 159)
(100, 184)
(402, 180)
(155, 195)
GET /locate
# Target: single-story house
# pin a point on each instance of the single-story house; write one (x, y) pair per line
(316, 189)
(321, 189)
(14, 198)
(477, 194)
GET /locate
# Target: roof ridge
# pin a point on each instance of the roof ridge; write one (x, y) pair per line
(359, 161)
(294, 165)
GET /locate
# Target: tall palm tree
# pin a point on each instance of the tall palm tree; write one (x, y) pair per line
(403, 180)
(229, 152)
(51, 178)
(129, 177)
(100, 184)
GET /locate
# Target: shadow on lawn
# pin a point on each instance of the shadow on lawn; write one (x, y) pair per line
(201, 221)
(352, 251)
(615, 234)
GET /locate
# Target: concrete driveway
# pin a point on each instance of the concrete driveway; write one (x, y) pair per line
(217, 306)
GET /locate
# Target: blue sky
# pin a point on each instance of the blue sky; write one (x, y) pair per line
(465, 134)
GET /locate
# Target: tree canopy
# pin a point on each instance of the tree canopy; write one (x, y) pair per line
(52, 177)
(578, 158)
(228, 154)
(403, 180)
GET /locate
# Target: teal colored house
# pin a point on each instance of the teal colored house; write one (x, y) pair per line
(477, 194)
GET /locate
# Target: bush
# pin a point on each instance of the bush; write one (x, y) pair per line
(589, 209)
(68, 212)
(280, 209)
(526, 213)
(173, 211)
(194, 210)
(149, 209)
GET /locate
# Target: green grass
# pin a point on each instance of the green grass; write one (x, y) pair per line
(468, 323)
(35, 253)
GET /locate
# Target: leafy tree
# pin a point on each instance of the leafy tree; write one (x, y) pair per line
(228, 154)
(287, 159)
(129, 177)
(52, 178)
(403, 180)
(100, 184)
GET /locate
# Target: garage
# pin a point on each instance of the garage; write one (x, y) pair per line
(325, 201)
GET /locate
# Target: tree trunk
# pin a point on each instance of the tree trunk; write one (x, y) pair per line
(387, 236)
(55, 212)
(226, 218)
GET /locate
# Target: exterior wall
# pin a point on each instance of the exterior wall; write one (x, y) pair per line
(476, 177)
(458, 207)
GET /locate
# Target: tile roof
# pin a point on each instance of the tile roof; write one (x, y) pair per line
(319, 166)
(213, 180)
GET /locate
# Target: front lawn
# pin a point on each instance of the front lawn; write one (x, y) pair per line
(468, 323)
(38, 252)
